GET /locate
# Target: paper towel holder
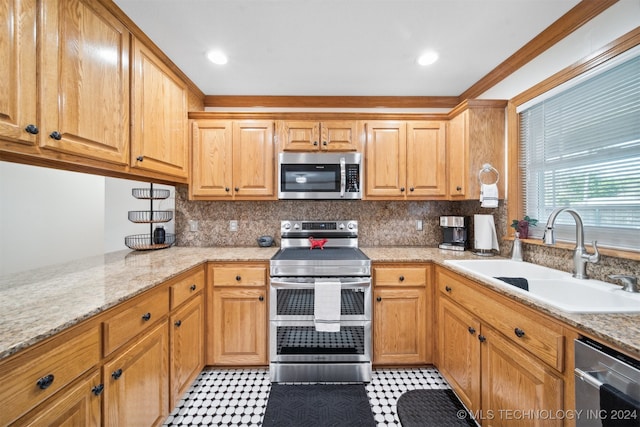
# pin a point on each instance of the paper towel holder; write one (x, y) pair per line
(487, 169)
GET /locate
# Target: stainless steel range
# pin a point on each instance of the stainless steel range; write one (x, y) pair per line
(320, 304)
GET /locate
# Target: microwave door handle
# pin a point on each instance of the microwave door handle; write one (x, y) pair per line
(343, 176)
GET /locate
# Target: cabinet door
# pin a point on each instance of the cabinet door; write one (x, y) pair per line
(187, 346)
(159, 132)
(84, 76)
(18, 71)
(211, 171)
(299, 136)
(459, 352)
(426, 160)
(338, 135)
(386, 160)
(253, 161)
(239, 327)
(78, 405)
(399, 326)
(137, 382)
(457, 155)
(512, 380)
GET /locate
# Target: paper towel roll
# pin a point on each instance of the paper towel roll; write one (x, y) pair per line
(485, 237)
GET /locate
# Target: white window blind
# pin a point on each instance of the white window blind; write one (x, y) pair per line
(581, 148)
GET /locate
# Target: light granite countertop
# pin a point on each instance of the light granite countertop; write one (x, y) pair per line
(36, 304)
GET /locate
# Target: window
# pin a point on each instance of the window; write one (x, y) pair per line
(580, 147)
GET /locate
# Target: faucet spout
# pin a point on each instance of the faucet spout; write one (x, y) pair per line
(580, 255)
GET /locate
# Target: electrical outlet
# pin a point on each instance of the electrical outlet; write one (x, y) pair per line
(193, 225)
(419, 225)
(233, 225)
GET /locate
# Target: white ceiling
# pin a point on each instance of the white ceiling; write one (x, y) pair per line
(341, 47)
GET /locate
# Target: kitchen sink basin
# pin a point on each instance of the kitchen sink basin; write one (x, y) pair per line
(554, 287)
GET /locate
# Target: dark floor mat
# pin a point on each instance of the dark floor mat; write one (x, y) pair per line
(318, 405)
(432, 408)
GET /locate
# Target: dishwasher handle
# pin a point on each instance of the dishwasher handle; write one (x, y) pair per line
(587, 378)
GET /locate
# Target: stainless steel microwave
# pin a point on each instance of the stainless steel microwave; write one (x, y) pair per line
(335, 176)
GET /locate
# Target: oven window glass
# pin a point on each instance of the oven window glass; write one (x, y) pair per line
(306, 340)
(299, 302)
(310, 178)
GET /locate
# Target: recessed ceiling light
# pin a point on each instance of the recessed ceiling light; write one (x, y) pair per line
(428, 58)
(217, 57)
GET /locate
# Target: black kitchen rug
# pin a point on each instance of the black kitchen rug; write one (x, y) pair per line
(433, 408)
(318, 405)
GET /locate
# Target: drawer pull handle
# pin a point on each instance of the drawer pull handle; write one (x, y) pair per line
(379, 299)
(178, 323)
(448, 289)
(519, 332)
(401, 278)
(116, 374)
(193, 287)
(45, 382)
(260, 298)
(238, 278)
(32, 129)
(471, 330)
(146, 316)
(482, 338)
(97, 390)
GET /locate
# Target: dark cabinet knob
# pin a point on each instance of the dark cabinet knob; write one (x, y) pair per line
(411, 189)
(97, 390)
(519, 332)
(146, 316)
(401, 278)
(227, 189)
(482, 338)
(402, 189)
(178, 323)
(325, 143)
(45, 381)
(315, 143)
(379, 299)
(116, 374)
(140, 158)
(260, 298)
(55, 135)
(458, 188)
(448, 289)
(193, 287)
(472, 330)
(32, 129)
(237, 189)
(238, 278)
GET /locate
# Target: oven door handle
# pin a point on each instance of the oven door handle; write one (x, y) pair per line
(310, 285)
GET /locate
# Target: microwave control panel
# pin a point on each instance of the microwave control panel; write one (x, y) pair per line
(353, 178)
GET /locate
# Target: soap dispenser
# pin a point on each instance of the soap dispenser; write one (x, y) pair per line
(516, 251)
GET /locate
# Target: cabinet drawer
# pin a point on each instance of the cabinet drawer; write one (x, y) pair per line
(239, 276)
(535, 333)
(135, 318)
(186, 288)
(38, 373)
(400, 276)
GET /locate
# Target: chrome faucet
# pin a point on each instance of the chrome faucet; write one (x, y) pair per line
(580, 255)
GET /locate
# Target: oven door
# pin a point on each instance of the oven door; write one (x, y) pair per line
(292, 298)
(298, 341)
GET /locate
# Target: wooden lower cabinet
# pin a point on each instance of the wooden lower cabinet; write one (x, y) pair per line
(136, 382)
(239, 326)
(187, 346)
(401, 331)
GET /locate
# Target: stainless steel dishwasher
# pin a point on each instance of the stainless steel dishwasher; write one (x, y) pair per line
(607, 386)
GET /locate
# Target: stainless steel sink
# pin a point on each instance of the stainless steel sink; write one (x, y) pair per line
(553, 287)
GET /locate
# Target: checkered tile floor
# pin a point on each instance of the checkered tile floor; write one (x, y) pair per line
(238, 397)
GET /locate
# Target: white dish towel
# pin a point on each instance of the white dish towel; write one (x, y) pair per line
(489, 195)
(326, 308)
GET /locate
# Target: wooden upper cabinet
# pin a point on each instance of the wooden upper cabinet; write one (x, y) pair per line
(386, 159)
(232, 160)
(84, 81)
(426, 159)
(159, 132)
(18, 71)
(476, 136)
(331, 135)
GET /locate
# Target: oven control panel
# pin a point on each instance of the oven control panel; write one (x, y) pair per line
(319, 227)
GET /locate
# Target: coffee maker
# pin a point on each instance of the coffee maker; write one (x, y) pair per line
(454, 233)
